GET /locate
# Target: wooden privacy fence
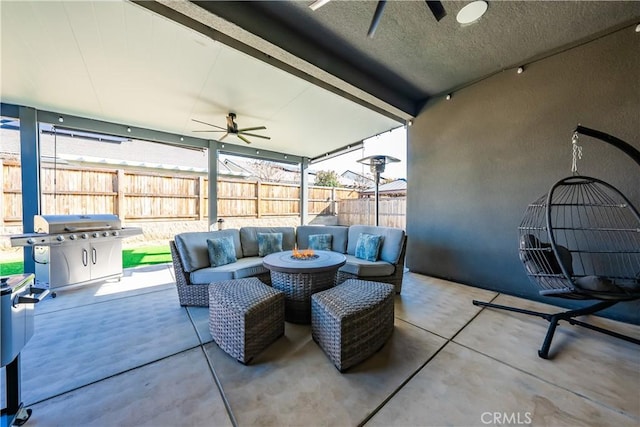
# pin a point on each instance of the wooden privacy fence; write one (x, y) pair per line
(392, 212)
(136, 195)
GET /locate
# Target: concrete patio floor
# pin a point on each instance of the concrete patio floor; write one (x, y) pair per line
(126, 353)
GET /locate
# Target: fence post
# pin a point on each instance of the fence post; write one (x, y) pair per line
(334, 202)
(120, 197)
(201, 201)
(258, 199)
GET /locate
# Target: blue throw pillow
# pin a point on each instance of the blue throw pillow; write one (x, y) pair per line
(269, 243)
(222, 251)
(368, 246)
(320, 242)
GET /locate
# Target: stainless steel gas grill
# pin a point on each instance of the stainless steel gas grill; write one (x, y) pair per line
(18, 298)
(73, 249)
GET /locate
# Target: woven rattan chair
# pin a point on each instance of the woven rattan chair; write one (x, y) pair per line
(245, 316)
(352, 321)
(195, 295)
(581, 241)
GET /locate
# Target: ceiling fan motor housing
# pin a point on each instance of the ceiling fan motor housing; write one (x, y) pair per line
(232, 126)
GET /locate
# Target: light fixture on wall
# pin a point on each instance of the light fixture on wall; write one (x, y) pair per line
(448, 97)
(472, 12)
(129, 130)
(60, 119)
(520, 70)
(409, 122)
(182, 138)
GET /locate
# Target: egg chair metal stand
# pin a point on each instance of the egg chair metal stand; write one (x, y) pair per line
(581, 241)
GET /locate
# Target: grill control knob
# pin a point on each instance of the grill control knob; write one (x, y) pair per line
(96, 234)
(73, 237)
(105, 233)
(84, 236)
(115, 233)
(60, 238)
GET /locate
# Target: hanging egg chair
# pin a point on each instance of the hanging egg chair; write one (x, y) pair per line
(581, 240)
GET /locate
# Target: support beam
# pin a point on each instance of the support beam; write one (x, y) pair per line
(119, 129)
(213, 185)
(304, 191)
(30, 162)
(257, 153)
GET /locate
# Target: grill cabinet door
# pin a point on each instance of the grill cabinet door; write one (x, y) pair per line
(69, 264)
(106, 258)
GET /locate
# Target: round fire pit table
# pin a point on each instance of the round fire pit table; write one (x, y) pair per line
(300, 278)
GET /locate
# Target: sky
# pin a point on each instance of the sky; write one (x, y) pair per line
(392, 143)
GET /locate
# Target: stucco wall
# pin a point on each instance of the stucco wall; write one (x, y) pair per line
(477, 160)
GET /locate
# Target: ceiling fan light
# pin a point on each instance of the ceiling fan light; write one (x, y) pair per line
(472, 12)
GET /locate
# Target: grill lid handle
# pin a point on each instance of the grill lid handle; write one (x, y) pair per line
(74, 229)
(36, 295)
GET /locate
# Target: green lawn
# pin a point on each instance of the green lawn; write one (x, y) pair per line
(147, 255)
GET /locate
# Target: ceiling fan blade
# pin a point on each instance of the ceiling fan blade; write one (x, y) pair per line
(256, 135)
(376, 18)
(224, 136)
(437, 9)
(208, 124)
(209, 130)
(253, 128)
(244, 139)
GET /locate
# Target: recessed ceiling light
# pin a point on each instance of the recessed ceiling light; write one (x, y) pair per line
(472, 12)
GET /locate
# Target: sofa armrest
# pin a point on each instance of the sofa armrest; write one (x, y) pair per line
(188, 294)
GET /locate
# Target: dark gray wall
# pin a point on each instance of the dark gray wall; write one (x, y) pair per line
(477, 160)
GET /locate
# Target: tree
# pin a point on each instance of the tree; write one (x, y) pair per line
(268, 171)
(327, 179)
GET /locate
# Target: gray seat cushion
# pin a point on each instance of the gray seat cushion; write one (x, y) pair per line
(391, 245)
(244, 267)
(193, 251)
(249, 238)
(248, 267)
(204, 276)
(338, 242)
(364, 268)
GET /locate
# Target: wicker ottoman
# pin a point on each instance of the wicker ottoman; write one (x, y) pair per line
(245, 316)
(352, 321)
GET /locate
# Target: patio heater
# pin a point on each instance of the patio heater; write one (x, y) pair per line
(377, 164)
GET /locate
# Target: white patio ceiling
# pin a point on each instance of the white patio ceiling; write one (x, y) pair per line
(116, 61)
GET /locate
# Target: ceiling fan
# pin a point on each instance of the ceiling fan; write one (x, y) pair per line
(232, 128)
(436, 7)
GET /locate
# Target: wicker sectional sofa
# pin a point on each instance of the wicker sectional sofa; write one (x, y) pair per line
(193, 271)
